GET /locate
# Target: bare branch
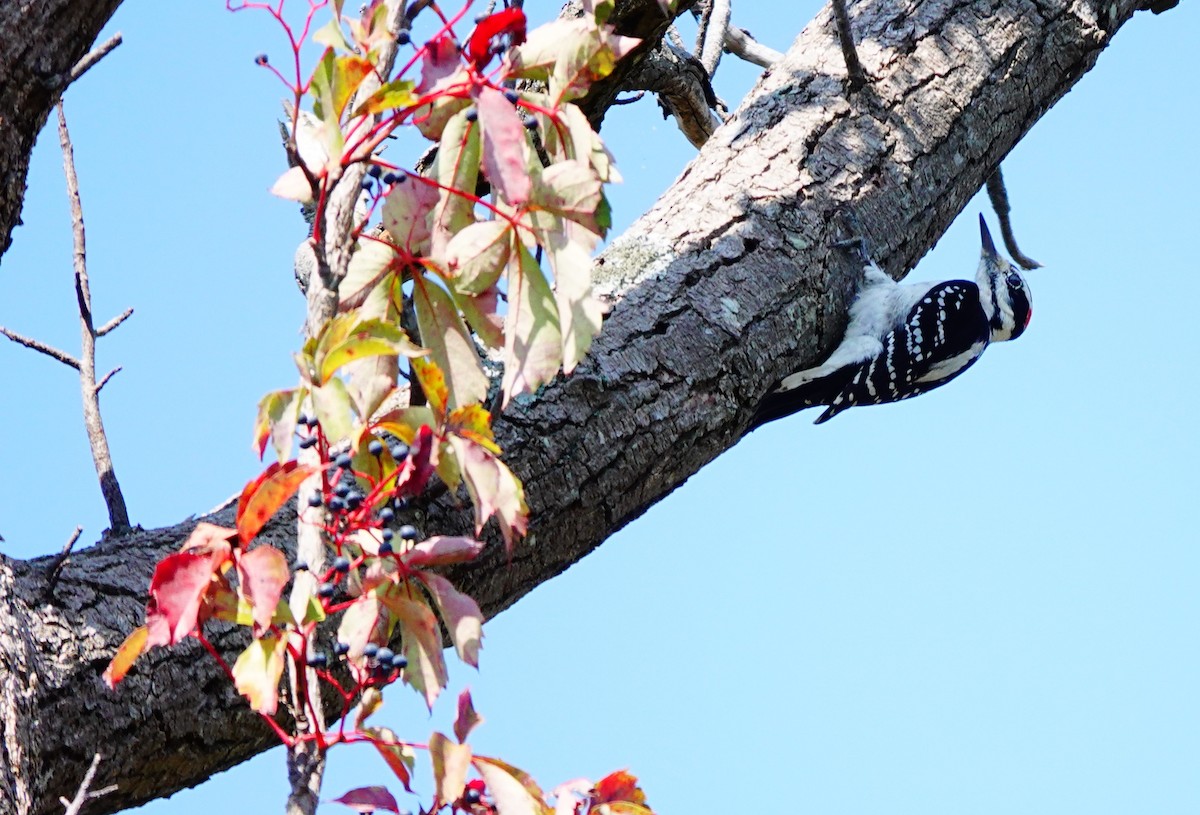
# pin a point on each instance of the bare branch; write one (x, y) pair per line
(104, 380)
(114, 322)
(739, 43)
(999, 197)
(53, 573)
(85, 792)
(41, 347)
(683, 89)
(92, 57)
(714, 27)
(118, 515)
(854, 68)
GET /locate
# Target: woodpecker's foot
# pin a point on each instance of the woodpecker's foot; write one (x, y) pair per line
(849, 233)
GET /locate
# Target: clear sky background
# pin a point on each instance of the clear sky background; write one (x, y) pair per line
(984, 600)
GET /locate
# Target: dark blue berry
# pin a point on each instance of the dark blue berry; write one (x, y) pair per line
(307, 442)
(261, 59)
(472, 114)
(471, 796)
(403, 37)
(354, 499)
(374, 171)
(312, 421)
(336, 504)
(385, 548)
(342, 564)
(530, 122)
(302, 419)
(511, 96)
(300, 566)
(342, 489)
(401, 503)
(387, 535)
(375, 448)
(399, 451)
(386, 515)
(317, 660)
(390, 178)
(341, 648)
(385, 656)
(343, 461)
(368, 183)
(326, 590)
(399, 662)
(315, 499)
(408, 532)
(370, 649)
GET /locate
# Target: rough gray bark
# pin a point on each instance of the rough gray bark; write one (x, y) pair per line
(39, 44)
(723, 286)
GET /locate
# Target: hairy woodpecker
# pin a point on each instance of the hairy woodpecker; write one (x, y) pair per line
(904, 340)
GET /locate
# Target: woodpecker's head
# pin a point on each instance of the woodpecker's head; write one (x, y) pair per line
(1002, 290)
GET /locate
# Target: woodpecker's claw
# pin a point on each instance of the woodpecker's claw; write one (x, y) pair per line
(849, 233)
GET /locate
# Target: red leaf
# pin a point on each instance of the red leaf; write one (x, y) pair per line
(369, 799)
(618, 786)
(479, 46)
(467, 719)
(398, 755)
(263, 496)
(441, 550)
(176, 591)
(441, 60)
(263, 572)
(418, 467)
(504, 146)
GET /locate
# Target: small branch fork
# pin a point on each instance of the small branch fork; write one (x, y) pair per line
(86, 793)
(85, 363)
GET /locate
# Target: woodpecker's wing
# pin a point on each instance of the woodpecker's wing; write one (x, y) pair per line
(944, 333)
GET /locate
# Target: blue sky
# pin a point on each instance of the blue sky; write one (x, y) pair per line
(983, 600)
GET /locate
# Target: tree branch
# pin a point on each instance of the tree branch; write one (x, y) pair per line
(724, 285)
(41, 347)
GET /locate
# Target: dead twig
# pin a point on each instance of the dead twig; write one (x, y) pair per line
(60, 562)
(92, 57)
(854, 68)
(739, 43)
(712, 33)
(999, 197)
(118, 515)
(85, 793)
(41, 348)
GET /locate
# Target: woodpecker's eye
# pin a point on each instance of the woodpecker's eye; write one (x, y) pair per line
(1014, 280)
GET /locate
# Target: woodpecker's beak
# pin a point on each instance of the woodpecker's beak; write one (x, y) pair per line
(989, 248)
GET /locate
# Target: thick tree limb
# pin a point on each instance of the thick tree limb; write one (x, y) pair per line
(719, 289)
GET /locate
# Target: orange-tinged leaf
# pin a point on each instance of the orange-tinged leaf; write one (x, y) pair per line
(474, 423)
(127, 654)
(257, 671)
(450, 764)
(370, 338)
(433, 383)
(262, 574)
(449, 342)
(505, 146)
(514, 791)
(263, 496)
(397, 93)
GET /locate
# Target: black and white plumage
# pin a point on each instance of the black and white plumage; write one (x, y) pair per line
(904, 340)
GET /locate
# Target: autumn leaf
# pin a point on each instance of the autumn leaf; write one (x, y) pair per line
(456, 169)
(449, 342)
(477, 255)
(494, 490)
(532, 337)
(406, 213)
(571, 189)
(461, 615)
(331, 402)
(442, 550)
(419, 465)
(398, 93)
(505, 147)
(483, 315)
(368, 338)
(473, 423)
(276, 421)
(262, 574)
(371, 262)
(366, 620)
(450, 764)
(509, 22)
(422, 639)
(579, 312)
(441, 69)
(127, 653)
(334, 81)
(618, 786)
(368, 799)
(176, 592)
(398, 755)
(433, 385)
(514, 791)
(262, 497)
(293, 185)
(257, 671)
(466, 719)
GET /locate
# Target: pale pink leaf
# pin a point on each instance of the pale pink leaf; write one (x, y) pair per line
(505, 147)
(368, 799)
(450, 764)
(461, 615)
(532, 338)
(467, 719)
(442, 550)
